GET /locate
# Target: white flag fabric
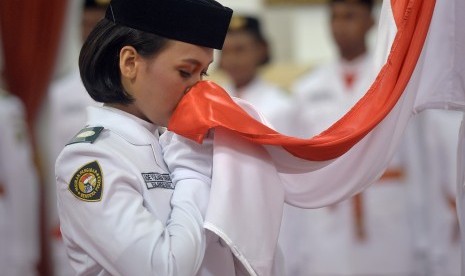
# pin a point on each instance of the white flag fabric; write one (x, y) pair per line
(251, 182)
(443, 66)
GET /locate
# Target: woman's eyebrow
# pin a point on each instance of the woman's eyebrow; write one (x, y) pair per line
(195, 62)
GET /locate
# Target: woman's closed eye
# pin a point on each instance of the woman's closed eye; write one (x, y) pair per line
(186, 75)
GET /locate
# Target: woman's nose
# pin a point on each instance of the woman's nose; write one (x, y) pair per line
(190, 86)
(198, 78)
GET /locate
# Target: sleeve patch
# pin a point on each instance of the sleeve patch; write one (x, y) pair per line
(87, 183)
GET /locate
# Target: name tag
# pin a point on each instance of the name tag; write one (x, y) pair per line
(157, 180)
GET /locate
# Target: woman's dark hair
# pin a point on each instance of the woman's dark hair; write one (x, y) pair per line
(99, 59)
(264, 42)
(252, 26)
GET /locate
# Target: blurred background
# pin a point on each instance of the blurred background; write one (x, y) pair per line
(405, 227)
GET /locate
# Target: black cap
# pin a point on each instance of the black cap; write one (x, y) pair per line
(199, 22)
(249, 23)
(100, 4)
(368, 3)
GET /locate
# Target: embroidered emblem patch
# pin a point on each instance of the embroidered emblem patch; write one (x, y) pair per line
(87, 183)
(157, 180)
(86, 135)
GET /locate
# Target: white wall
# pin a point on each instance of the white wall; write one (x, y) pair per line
(299, 34)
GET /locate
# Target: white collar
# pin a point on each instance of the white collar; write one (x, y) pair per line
(355, 64)
(131, 128)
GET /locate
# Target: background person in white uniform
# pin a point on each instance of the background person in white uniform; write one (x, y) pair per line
(245, 52)
(344, 80)
(68, 102)
(19, 190)
(382, 230)
(68, 97)
(320, 98)
(121, 212)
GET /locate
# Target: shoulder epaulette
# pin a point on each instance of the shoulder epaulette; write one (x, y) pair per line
(86, 135)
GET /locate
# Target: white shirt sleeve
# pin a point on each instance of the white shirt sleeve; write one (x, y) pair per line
(188, 161)
(118, 232)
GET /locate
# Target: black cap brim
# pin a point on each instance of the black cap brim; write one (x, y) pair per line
(203, 23)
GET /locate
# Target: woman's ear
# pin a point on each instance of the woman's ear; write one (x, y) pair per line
(264, 53)
(370, 23)
(128, 62)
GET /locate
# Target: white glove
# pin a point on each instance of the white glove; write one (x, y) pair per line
(188, 162)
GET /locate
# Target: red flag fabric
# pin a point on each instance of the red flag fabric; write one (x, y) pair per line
(207, 105)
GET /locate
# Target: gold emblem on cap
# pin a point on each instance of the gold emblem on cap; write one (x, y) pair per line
(102, 2)
(237, 22)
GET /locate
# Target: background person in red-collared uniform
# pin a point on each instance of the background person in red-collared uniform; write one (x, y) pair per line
(387, 229)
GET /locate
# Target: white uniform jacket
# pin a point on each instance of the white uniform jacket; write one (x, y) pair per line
(19, 227)
(322, 95)
(120, 213)
(320, 98)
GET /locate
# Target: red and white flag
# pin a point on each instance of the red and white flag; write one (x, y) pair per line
(420, 58)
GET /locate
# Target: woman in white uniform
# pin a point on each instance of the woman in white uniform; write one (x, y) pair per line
(121, 212)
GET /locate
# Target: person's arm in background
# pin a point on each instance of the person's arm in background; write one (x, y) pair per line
(20, 196)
